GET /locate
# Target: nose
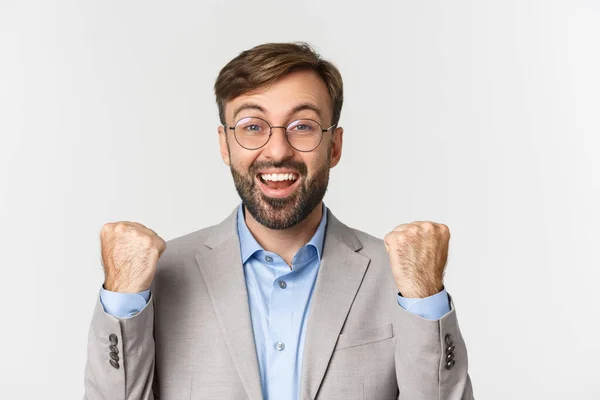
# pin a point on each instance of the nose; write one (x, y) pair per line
(278, 148)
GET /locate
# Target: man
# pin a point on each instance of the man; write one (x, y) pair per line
(281, 300)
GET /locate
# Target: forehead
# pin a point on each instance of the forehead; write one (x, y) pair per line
(279, 99)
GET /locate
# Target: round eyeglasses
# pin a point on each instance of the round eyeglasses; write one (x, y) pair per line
(303, 135)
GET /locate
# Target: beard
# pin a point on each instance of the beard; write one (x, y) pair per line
(281, 213)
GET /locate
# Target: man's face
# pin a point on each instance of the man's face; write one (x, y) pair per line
(283, 204)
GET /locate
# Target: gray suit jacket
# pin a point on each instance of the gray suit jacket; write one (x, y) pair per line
(194, 339)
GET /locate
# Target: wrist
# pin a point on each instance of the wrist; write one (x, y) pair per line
(421, 290)
(122, 287)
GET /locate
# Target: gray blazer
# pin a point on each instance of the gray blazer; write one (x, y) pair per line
(194, 339)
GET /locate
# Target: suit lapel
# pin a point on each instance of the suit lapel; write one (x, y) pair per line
(340, 275)
(223, 274)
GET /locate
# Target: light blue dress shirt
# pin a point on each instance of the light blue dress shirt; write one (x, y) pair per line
(279, 299)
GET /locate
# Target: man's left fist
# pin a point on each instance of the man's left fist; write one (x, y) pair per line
(418, 252)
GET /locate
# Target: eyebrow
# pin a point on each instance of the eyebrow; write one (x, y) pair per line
(306, 106)
(295, 110)
(247, 106)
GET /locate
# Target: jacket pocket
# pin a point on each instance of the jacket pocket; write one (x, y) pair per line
(364, 336)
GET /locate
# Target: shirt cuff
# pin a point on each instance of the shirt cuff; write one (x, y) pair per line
(123, 305)
(431, 308)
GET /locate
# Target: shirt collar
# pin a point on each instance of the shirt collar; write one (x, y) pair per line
(249, 245)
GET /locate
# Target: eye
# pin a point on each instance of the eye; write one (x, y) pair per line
(303, 126)
(251, 126)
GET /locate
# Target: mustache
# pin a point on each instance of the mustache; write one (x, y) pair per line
(290, 164)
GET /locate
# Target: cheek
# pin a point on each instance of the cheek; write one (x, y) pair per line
(241, 161)
(316, 164)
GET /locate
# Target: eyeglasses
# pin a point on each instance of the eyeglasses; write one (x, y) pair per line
(303, 135)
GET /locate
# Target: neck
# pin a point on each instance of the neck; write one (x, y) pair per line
(286, 242)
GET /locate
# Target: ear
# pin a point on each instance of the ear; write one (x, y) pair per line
(223, 144)
(336, 147)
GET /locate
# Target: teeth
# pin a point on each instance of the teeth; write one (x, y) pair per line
(279, 177)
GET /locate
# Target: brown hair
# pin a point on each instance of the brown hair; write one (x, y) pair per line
(264, 64)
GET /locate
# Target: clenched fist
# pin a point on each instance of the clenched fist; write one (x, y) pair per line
(418, 253)
(130, 254)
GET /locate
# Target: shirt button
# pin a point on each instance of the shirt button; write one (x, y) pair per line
(282, 284)
(280, 346)
(268, 258)
(134, 313)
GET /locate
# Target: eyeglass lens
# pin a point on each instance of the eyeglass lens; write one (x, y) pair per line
(253, 133)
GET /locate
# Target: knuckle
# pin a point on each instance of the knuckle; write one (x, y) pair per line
(138, 233)
(119, 227)
(399, 238)
(412, 230)
(392, 236)
(106, 229)
(428, 226)
(146, 240)
(400, 227)
(137, 225)
(445, 229)
(157, 243)
(388, 241)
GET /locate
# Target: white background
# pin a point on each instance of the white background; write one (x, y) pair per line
(482, 115)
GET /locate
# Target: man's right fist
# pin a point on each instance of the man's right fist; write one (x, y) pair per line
(130, 253)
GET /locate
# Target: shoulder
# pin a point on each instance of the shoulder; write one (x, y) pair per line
(373, 248)
(368, 241)
(177, 267)
(187, 245)
(370, 246)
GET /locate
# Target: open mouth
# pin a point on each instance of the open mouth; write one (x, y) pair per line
(278, 185)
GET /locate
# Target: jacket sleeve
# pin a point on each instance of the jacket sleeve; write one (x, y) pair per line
(431, 358)
(120, 356)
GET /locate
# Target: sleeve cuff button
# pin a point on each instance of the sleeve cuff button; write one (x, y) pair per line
(449, 340)
(113, 339)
